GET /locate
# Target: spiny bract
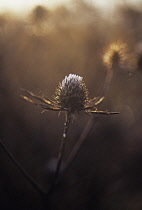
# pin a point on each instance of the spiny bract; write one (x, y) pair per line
(71, 96)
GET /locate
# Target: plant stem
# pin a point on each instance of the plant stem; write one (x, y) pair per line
(77, 146)
(22, 170)
(107, 82)
(80, 142)
(62, 146)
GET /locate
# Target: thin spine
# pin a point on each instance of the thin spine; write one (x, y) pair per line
(40, 105)
(47, 101)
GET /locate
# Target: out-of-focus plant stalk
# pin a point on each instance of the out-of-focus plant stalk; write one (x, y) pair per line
(35, 185)
(107, 82)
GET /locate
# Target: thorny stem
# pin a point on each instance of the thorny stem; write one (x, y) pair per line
(62, 146)
(22, 170)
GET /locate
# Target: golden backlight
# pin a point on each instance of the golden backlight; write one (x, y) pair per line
(19, 6)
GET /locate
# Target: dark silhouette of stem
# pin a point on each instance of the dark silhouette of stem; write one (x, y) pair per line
(35, 185)
(77, 146)
(62, 146)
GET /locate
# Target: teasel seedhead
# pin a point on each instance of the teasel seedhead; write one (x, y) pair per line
(72, 93)
(71, 96)
(117, 55)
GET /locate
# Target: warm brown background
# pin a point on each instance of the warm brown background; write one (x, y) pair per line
(36, 53)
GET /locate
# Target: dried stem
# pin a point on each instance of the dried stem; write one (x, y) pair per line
(77, 146)
(62, 146)
(22, 170)
(80, 141)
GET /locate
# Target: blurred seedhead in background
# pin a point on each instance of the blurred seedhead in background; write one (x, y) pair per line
(39, 14)
(117, 56)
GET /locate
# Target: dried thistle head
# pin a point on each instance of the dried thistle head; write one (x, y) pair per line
(72, 93)
(116, 55)
(71, 96)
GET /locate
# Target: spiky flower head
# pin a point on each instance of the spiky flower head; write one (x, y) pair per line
(71, 93)
(116, 55)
